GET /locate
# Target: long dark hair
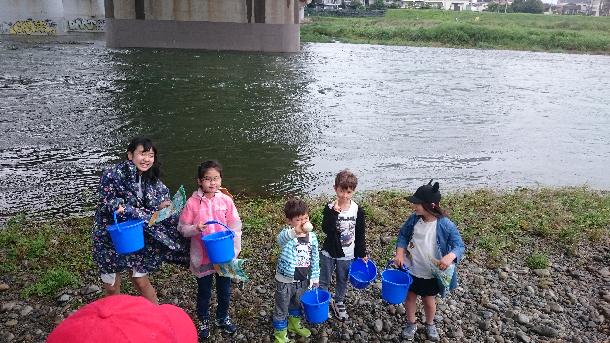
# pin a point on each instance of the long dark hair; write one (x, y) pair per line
(434, 209)
(154, 172)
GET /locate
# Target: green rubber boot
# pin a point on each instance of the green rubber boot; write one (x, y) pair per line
(294, 325)
(280, 336)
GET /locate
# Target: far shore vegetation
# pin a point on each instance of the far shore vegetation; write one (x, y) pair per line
(466, 29)
(42, 258)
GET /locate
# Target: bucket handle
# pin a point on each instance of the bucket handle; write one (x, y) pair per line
(394, 266)
(219, 223)
(116, 223)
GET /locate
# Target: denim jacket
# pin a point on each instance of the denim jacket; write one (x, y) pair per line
(448, 239)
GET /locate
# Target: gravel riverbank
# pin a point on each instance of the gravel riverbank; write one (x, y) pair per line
(504, 294)
(567, 302)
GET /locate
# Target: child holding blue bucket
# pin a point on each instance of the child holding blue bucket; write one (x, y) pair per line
(209, 203)
(343, 223)
(297, 269)
(428, 236)
(133, 190)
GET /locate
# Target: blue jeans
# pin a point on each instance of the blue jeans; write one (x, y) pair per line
(328, 265)
(204, 293)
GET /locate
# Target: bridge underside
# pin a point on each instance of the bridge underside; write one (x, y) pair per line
(122, 33)
(246, 25)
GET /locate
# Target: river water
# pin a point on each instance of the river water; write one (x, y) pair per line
(285, 124)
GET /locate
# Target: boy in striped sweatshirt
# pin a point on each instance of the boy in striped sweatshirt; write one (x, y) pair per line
(298, 267)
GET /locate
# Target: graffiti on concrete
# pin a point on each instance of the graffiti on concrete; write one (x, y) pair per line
(87, 25)
(29, 27)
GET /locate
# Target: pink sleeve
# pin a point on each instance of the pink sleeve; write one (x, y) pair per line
(186, 224)
(234, 223)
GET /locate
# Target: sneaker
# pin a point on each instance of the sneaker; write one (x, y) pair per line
(432, 333)
(340, 311)
(204, 328)
(226, 325)
(409, 331)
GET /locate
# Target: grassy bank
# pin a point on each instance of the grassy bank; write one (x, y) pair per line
(466, 29)
(42, 258)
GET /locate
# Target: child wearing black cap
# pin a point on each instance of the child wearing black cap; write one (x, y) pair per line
(427, 236)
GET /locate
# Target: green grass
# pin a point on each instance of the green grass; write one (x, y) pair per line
(537, 261)
(515, 31)
(49, 256)
(51, 282)
(42, 258)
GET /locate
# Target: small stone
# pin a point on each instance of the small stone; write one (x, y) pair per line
(522, 319)
(401, 309)
(263, 313)
(542, 272)
(523, 337)
(26, 310)
(8, 306)
(556, 308)
(93, 289)
(455, 332)
(545, 330)
(503, 275)
(378, 325)
(486, 315)
(544, 284)
(9, 337)
(11, 322)
(64, 298)
(3, 287)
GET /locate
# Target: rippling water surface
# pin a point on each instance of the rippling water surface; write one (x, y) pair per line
(285, 124)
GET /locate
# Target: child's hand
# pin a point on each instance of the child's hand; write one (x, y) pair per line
(399, 260)
(201, 227)
(299, 230)
(164, 204)
(120, 210)
(446, 261)
(365, 259)
(314, 284)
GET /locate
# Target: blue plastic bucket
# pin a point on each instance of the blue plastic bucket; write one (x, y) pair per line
(395, 284)
(127, 237)
(315, 305)
(361, 274)
(219, 245)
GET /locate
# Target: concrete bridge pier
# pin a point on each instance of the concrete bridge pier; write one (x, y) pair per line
(246, 25)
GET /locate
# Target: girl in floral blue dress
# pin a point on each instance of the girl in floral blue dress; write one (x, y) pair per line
(132, 188)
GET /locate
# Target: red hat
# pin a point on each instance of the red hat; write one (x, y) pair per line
(125, 318)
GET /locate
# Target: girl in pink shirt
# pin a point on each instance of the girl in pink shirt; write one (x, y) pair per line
(208, 203)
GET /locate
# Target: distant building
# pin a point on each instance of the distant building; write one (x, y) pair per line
(454, 5)
(582, 7)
